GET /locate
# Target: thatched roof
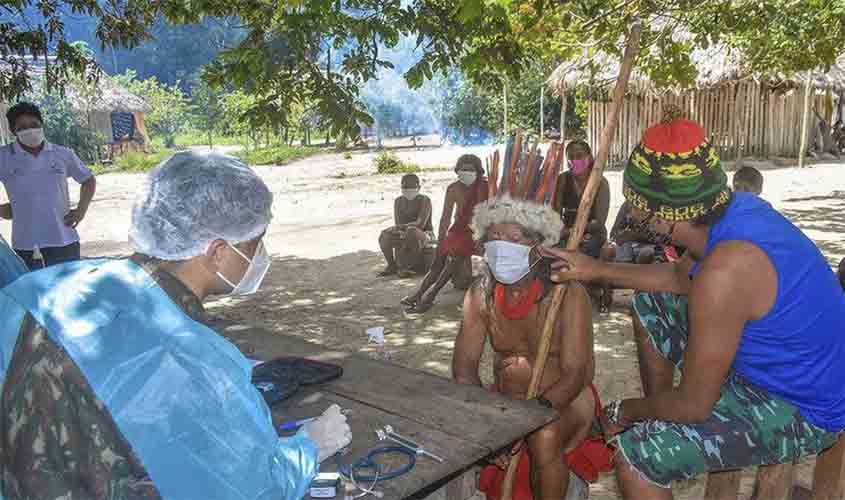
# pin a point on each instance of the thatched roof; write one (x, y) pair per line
(716, 65)
(110, 96)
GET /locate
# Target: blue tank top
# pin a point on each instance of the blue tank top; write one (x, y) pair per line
(797, 350)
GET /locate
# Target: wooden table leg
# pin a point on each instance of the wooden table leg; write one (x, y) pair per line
(464, 486)
(829, 473)
(723, 485)
(774, 482)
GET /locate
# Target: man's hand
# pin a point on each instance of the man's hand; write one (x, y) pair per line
(504, 457)
(571, 266)
(74, 217)
(613, 421)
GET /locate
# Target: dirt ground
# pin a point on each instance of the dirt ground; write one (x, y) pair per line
(322, 286)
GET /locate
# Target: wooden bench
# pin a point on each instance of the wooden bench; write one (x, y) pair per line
(777, 482)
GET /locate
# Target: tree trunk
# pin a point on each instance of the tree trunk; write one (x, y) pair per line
(542, 95)
(632, 47)
(802, 151)
(839, 106)
(506, 109)
(744, 115)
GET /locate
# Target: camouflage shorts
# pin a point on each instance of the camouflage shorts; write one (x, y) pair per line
(748, 426)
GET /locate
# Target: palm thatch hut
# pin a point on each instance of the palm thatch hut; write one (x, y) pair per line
(110, 110)
(746, 114)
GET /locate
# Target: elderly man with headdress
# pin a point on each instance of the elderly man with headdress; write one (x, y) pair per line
(455, 245)
(112, 385)
(752, 318)
(508, 305)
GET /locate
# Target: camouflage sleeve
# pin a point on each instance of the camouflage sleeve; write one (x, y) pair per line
(59, 440)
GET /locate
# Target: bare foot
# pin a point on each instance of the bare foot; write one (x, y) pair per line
(409, 301)
(420, 308)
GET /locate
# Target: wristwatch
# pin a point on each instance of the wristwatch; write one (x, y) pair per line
(545, 402)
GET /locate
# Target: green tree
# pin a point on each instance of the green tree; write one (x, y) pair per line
(65, 125)
(170, 111)
(208, 110)
(237, 107)
(320, 52)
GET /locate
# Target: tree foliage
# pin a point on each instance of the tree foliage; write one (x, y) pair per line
(315, 55)
(65, 125)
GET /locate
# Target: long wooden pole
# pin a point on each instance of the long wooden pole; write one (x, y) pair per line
(542, 95)
(632, 47)
(507, 132)
(802, 151)
(563, 102)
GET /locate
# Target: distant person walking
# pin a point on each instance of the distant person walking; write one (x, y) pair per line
(34, 173)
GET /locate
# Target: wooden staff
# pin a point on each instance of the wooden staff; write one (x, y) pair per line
(559, 292)
(513, 173)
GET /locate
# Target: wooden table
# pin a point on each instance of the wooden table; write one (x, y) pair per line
(462, 424)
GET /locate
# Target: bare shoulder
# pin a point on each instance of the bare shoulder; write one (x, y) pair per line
(737, 259)
(737, 274)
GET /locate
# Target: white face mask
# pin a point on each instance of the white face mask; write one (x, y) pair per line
(509, 262)
(31, 137)
(410, 194)
(467, 178)
(254, 275)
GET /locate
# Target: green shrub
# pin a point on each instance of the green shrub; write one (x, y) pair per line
(347, 155)
(388, 163)
(276, 155)
(134, 161)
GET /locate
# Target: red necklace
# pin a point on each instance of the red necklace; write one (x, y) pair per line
(520, 309)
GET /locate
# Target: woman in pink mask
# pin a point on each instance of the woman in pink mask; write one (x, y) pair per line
(570, 188)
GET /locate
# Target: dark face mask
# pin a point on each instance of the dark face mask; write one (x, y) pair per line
(645, 228)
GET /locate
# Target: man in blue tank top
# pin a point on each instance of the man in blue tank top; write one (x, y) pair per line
(752, 316)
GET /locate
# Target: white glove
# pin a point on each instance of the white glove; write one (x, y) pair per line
(329, 431)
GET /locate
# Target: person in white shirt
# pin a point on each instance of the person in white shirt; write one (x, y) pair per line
(34, 173)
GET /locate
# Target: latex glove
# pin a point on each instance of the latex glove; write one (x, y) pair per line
(330, 432)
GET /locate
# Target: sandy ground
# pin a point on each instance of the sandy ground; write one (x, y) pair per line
(328, 212)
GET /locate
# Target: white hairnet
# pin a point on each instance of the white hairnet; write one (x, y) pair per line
(193, 199)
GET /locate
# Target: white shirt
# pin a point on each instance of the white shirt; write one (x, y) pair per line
(37, 189)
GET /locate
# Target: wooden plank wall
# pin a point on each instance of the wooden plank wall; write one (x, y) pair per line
(767, 123)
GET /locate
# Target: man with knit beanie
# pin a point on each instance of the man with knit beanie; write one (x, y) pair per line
(752, 318)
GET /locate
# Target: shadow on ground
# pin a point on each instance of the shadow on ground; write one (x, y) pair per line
(824, 222)
(333, 301)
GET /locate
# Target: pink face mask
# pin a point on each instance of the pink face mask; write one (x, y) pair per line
(579, 167)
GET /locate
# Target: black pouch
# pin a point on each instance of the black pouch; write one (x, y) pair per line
(280, 378)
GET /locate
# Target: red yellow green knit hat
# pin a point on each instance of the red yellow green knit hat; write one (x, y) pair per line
(675, 173)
